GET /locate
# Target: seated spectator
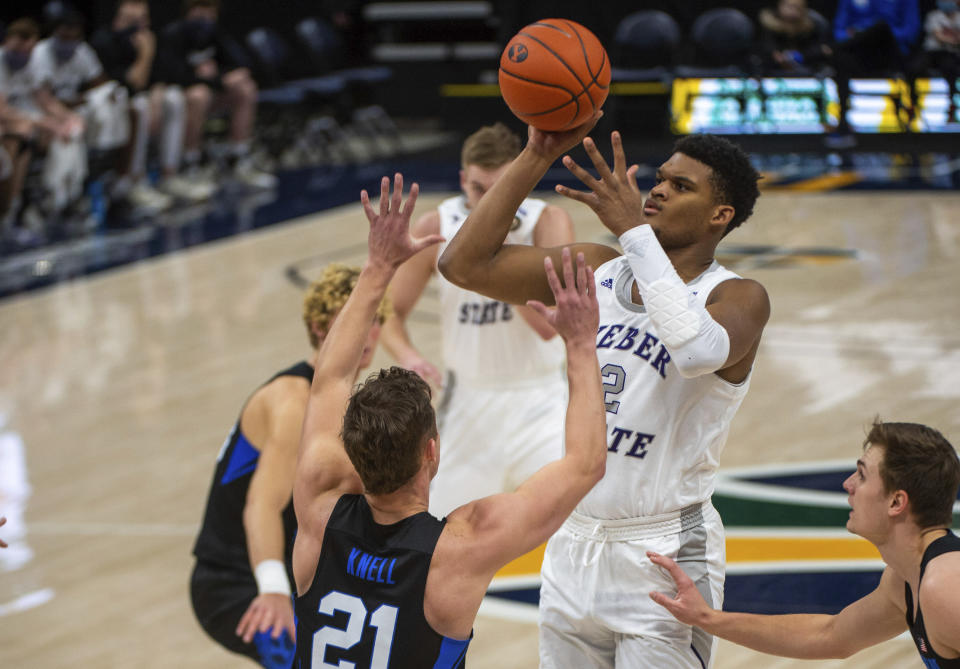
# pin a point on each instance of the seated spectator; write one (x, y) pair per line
(941, 50)
(790, 40)
(30, 112)
(872, 36)
(198, 56)
(127, 50)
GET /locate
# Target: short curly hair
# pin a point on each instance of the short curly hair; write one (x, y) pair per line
(733, 178)
(326, 296)
(386, 426)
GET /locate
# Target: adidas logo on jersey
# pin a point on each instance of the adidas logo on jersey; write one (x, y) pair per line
(607, 283)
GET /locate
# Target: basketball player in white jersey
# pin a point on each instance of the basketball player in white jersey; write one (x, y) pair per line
(505, 398)
(677, 338)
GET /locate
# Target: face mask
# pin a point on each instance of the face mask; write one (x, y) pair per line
(200, 31)
(16, 60)
(947, 6)
(63, 50)
(128, 32)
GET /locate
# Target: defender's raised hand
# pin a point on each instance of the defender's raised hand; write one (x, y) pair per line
(389, 241)
(577, 315)
(615, 197)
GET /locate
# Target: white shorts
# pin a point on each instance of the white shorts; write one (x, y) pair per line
(595, 608)
(494, 438)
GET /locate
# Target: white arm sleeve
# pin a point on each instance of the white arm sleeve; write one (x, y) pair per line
(697, 344)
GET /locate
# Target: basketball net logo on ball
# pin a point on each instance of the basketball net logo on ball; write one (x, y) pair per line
(554, 74)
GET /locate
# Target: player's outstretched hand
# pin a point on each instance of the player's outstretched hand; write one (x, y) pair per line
(577, 315)
(389, 241)
(3, 521)
(554, 144)
(268, 611)
(615, 197)
(688, 606)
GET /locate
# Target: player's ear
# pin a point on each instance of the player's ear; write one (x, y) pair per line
(722, 215)
(898, 503)
(431, 452)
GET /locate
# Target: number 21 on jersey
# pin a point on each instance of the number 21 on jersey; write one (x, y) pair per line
(384, 619)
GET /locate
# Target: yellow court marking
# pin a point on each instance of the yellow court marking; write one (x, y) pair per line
(771, 549)
(819, 184)
(746, 549)
(524, 565)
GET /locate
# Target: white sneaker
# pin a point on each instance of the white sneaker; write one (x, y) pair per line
(146, 198)
(190, 189)
(250, 176)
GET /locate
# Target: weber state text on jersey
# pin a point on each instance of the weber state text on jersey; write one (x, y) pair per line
(364, 607)
(664, 432)
(485, 339)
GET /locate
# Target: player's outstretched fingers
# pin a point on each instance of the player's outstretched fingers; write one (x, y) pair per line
(588, 179)
(397, 192)
(596, 158)
(619, 157)
(568, 281)
(676, 573)
(408, 206)
(591, 285)
(582, 196)
(552, 277)
(582, 287)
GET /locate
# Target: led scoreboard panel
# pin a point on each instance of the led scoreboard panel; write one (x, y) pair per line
(805, 106)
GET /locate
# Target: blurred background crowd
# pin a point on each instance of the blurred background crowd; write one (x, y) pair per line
(113, 113)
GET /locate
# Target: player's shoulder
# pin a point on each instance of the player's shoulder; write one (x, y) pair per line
(287, 388)
(427, 224)
(282, 394)
(748, 291)
(554, 215)
(941, 579)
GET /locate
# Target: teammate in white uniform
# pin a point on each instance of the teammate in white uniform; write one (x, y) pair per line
(505, 398)
(677, 339)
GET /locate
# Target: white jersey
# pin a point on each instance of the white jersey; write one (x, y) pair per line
(486, 341)
(664, 432)
(68, 77)
(19, 86)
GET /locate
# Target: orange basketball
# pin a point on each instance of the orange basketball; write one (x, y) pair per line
(554, 74)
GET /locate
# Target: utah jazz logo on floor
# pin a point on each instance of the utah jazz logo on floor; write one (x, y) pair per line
(788, 550)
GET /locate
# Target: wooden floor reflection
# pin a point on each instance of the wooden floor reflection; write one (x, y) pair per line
(123, 386)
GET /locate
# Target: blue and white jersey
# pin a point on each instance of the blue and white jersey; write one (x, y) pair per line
(664, 432)
(486, 341)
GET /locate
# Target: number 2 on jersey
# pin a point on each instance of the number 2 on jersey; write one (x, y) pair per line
(612, 388)
(384, 619)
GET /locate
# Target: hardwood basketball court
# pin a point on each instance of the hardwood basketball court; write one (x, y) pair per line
(123, 385)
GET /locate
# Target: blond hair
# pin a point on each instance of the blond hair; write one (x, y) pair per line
(490, 147)
(326, 296)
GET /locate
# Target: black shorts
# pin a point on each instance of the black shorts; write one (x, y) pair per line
(220, 596)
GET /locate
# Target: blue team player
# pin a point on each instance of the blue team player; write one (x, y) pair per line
(380, 581)
(241, 584)
(901, 500)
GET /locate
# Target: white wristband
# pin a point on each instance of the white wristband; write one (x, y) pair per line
(272, 577)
